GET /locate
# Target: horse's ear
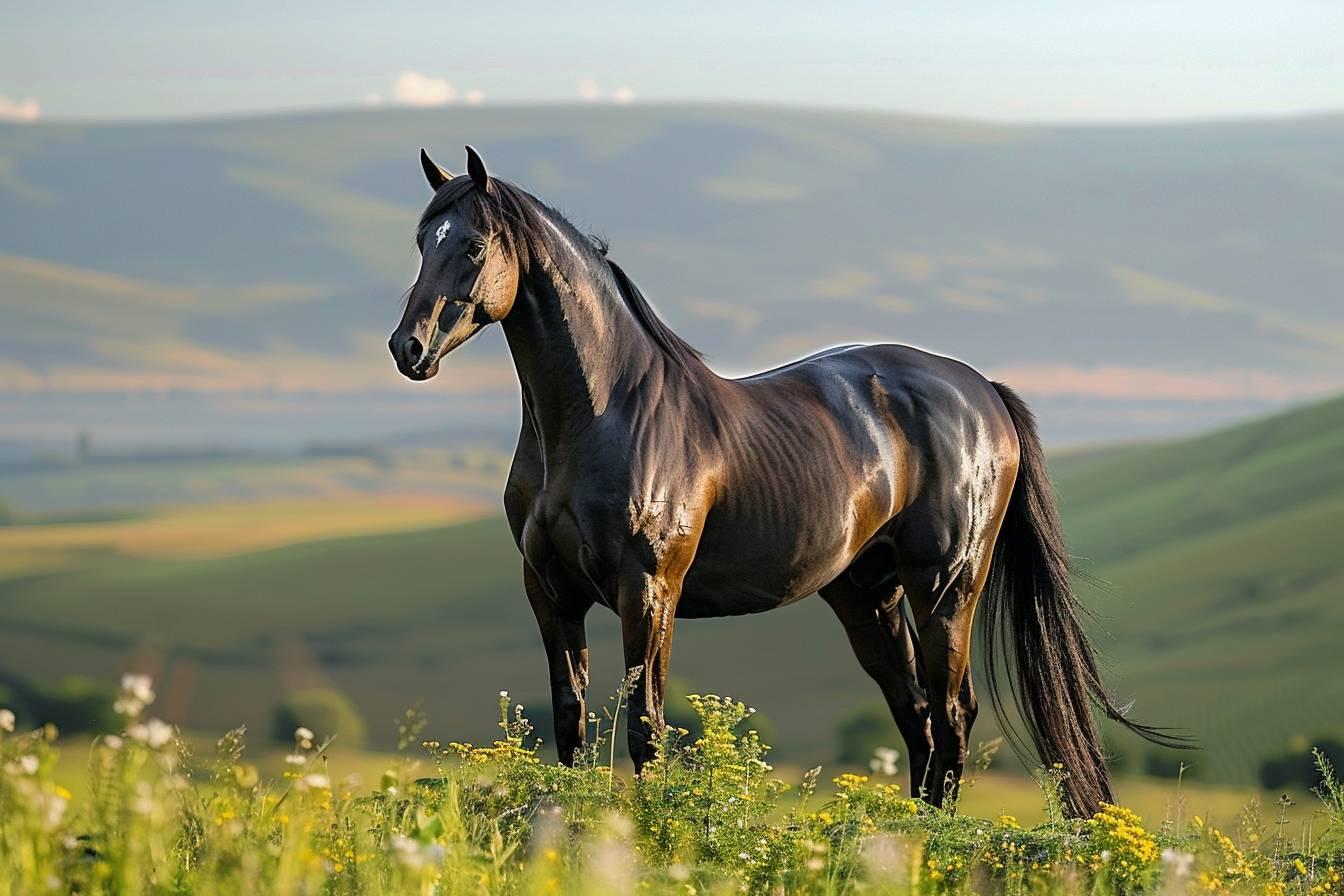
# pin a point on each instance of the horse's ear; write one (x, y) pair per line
(436, 176)
(476, 168)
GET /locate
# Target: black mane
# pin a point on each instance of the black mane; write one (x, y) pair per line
(677, 349)
(520, 221)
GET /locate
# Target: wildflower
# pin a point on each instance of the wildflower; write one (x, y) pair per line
(1177, 862)
(137, 692)
(6, 720)
(317, 781)
(50, 807)
(112, 742)
(884, 761)
(155, 733)
(26, 765)
(416, 855)
(296, 759)
(141, 687)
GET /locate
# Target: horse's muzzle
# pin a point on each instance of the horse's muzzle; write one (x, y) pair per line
(412, 358)
(418, 354)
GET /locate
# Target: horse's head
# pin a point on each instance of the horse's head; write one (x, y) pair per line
(468, 271)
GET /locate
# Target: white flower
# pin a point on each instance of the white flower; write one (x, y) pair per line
(26, 765)
(112, 742)
(155, 733)
(128, 707)
(143, 803)
(302, 733)
(6, 720)
(296, 759)
(1178, 862)
(504, 694)
(140, 687)
(52, 806)
(416, 855)
(319, 782)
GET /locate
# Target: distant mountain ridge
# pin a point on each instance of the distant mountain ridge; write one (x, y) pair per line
(235, 279)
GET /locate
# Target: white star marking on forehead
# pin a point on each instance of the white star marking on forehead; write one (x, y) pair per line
(441, 233)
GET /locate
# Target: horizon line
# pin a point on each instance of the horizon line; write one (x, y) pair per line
(245, 115)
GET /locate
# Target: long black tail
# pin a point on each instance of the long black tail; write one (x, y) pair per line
(1031, 619)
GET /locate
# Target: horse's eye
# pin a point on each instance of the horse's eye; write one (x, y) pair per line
(476, 251)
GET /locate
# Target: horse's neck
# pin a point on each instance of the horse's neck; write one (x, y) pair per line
(576, 346)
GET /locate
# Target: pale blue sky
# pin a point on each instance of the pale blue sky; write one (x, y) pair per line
(1010, 60)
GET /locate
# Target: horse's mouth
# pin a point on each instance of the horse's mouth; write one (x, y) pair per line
(420, 374)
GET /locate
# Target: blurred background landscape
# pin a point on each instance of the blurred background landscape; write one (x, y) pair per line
(210, 470)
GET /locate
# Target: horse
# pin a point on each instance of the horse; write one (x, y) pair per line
(901, 486)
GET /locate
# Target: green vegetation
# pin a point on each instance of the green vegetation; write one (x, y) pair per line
(1221, 555)
(1298, 766)
(863, 732)
(76, 705)
(709, 816)
(326, 712)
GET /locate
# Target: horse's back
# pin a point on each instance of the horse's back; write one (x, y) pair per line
(920, 391)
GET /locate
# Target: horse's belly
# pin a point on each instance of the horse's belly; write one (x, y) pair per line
(742, 578)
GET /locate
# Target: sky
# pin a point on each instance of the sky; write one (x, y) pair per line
(1005, 61)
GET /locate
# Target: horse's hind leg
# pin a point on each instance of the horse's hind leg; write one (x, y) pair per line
(880, 635)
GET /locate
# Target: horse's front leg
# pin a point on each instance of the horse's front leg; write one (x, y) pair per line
(647, 604)
(562, 631)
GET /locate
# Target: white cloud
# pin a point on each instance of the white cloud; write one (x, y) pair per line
(474, 97)
(19, 110)
(588, 91)
(622, 95)
(415, 89)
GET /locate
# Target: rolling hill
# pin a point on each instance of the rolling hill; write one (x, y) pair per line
(1222, 615)
(233, 281)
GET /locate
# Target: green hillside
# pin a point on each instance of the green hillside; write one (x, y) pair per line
(1222, 617)
(1227, 582)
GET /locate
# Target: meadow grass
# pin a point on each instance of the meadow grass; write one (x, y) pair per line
(710, 816)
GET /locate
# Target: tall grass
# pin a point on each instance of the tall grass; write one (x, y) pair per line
(709, 816)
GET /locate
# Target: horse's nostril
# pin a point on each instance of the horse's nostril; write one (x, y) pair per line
(414, 350)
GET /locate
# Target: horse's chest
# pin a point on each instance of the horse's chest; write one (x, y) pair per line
(574, 547)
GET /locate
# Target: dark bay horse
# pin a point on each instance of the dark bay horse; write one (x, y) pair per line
(898, 484)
